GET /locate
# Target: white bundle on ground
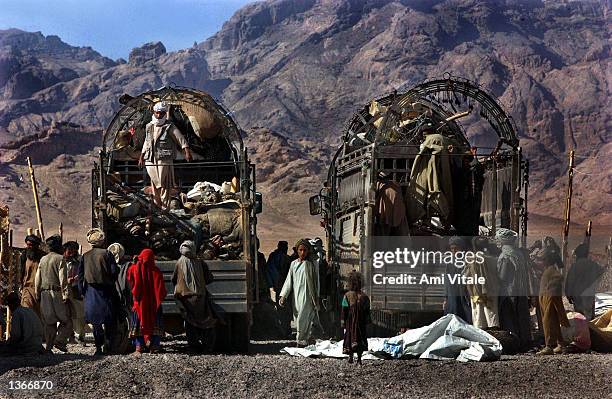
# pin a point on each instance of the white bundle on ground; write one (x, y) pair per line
(449, 337)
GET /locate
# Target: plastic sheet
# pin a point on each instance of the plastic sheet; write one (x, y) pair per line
(449, 337)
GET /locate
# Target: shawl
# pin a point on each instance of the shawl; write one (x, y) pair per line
(148, 289)
(192, 272)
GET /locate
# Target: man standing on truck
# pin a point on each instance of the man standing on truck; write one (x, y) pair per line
(159, 151)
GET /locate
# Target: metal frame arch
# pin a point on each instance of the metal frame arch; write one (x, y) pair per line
(176, 94)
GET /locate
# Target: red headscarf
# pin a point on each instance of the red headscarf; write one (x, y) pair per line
(148, 289)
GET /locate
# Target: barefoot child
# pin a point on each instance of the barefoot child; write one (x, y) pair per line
(355, 318)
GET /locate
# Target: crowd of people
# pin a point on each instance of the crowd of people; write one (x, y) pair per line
(518, 280)
(62, 294)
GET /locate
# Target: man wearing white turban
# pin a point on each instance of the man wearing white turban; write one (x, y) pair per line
(97, 276)
(159, 152)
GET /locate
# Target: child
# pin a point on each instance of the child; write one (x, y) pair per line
(355, 318)
(301, 284)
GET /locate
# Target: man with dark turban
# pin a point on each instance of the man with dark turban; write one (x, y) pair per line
(76, 305)
(301, 283)
(190, 278)
(581, 282)
(97, 275)
(28, 265)
(148, 293)
(53, 291)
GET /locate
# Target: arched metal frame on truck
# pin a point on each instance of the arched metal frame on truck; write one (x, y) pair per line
(347, 202)
(234, 290)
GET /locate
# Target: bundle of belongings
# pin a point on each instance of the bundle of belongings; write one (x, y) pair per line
(449, 337)
(209, 214)
(584, 335)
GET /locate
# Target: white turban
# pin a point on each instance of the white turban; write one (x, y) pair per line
(506, 236)
(95, 237)
(160, 107)
(117, 250)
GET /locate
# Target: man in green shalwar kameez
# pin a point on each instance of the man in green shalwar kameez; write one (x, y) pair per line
(301, 282)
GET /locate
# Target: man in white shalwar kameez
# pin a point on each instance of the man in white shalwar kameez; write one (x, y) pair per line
(158, 154)
(301, 282)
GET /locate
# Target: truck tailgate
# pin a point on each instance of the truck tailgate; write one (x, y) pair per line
(229, 288)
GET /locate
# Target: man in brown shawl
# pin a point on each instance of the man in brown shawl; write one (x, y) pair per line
(390, 208)
(28, 267)
(190, 278)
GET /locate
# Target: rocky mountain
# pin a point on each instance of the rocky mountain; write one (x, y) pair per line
(293, 71)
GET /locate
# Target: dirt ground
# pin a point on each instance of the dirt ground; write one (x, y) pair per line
(265, 373)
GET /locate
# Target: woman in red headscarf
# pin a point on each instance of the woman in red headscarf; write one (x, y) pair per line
(148, 292)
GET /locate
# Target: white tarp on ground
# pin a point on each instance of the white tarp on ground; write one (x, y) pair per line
(603, 303)
(449, 337)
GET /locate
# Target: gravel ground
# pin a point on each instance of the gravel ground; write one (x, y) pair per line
(266, 374)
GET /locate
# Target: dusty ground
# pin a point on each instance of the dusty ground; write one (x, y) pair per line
(267, 374)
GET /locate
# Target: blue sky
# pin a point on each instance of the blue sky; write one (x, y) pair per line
(114, 27)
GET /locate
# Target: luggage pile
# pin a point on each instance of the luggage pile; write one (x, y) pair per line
(208, 214)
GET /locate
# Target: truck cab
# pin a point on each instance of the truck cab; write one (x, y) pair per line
(122, 206)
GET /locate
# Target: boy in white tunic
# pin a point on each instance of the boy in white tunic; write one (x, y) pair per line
(301, 282)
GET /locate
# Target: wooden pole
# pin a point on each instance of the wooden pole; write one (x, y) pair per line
(568, 208)
(12, 270)
(494, 199)
(61, 231)
(587, 235)
(36, 203)
(8, 311)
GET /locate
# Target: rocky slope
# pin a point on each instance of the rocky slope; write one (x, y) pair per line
(299, 68)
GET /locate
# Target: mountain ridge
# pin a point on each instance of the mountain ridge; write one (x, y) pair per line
(300, 68)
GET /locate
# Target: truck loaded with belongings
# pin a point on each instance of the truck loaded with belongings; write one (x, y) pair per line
(213, 201)
(416, 166)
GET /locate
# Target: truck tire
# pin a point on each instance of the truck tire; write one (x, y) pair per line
(240, 332)
(120, 341)
(233, 336)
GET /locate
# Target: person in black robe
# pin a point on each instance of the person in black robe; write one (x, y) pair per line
(512, 266)
(355, 318)
(582, 282)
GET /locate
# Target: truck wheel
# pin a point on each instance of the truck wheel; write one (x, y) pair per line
(240, 333)
(120, 341)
